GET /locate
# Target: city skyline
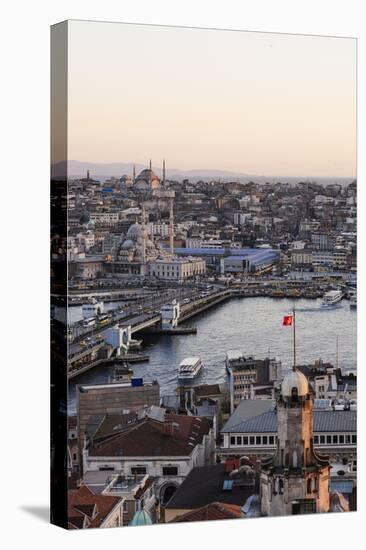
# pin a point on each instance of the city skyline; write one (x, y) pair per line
(253, 103)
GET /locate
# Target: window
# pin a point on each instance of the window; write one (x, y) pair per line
(341, 439)
(322, 439)
(258, 440)
(335, 439)
(316, 439)
(245, 440)
(308, 485)
(125, 506)
(348, 439)
(329, 439)
(265, 440)
(354, 439)
(238, 440)
(251, 440)
(138, 470)
(232, 440)
(170, 471)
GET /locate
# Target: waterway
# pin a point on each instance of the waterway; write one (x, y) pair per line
(253, 325)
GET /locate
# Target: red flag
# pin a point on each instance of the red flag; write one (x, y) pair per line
(287, 320)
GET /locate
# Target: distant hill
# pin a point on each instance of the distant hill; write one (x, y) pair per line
(78, 168)
(103, 171)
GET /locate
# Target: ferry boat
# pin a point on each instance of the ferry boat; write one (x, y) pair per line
(189, 368)
(331, 298)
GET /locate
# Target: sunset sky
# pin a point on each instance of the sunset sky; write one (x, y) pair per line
(256, 103)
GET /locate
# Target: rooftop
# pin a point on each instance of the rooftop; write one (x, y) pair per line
(177, 436)
(205, 485)
(259, 416)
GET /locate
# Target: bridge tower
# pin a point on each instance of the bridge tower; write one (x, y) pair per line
(170, 315)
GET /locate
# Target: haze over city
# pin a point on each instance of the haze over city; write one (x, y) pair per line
(280, 105)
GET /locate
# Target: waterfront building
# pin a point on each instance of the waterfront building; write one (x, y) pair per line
(88, 267)
(177, 269)
(250, 259)
(250, 377)
(295, 480)
(164, 446)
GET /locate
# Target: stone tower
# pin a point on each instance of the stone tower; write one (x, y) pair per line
(295, 480)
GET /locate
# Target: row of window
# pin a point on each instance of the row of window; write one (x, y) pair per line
(166, 470)
(253, 440)
(334, 439)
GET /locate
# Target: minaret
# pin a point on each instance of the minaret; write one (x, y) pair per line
(171, 227)
(88, 175)
(143, 237)
(163, 172)
(134, 174)
(150, 178)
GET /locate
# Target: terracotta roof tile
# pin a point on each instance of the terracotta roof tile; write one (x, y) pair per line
(211, 512)
(82, 502)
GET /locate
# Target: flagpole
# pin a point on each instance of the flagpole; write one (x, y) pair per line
(294, 336)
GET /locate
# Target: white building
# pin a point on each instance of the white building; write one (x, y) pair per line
(177, 269)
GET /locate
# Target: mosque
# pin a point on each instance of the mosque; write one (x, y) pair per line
(147, 180)
(137, 251)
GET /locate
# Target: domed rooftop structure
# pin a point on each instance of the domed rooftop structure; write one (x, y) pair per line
(127, 244)
(141, 518)
(134, 232)
(294, 379)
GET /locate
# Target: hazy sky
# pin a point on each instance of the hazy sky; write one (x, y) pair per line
(265, 104)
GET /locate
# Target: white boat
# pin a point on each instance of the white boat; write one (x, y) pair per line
(189, 368)
(331, 298)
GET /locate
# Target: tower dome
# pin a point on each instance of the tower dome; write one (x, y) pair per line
(294, 380)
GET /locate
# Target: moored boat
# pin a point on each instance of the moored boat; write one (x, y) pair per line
(331, 298)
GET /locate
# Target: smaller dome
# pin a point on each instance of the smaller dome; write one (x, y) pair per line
(294, 379)
(128, 244)
(141, 518)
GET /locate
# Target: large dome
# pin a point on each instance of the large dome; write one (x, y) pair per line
(134, 232)
(146, 175)
(294, 379)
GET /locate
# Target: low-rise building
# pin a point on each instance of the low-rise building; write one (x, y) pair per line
(165, 447)
(87, 510)
(177, 269)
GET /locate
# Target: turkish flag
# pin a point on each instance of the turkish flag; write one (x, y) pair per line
(287, 320)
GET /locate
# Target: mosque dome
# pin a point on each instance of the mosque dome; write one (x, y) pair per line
(134, 232)
(128, 243)
(294, 379)
(141, 518)
(146, 175)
